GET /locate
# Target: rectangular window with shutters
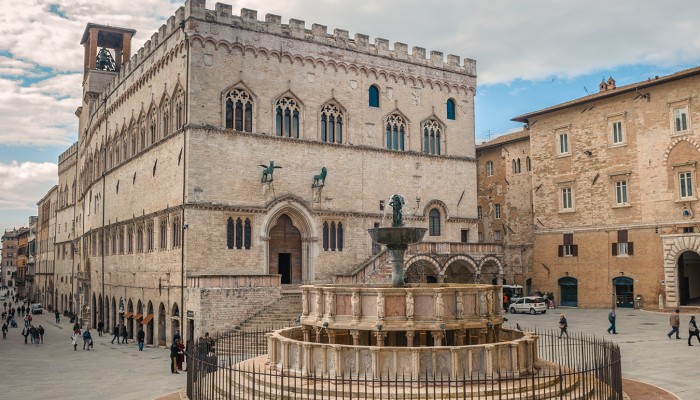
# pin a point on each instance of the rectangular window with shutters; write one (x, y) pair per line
(623, 247)
(568, 249)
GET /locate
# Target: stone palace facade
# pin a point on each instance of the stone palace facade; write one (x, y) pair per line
(229, 157)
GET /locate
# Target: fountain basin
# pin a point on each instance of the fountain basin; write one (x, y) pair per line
(397, 237)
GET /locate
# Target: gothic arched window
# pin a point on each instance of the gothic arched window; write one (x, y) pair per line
(331, 124)
(239, 234)
(325, 236)
(230, 233)
(165, 114)
(395, 132)
(239, 110)
(373, 96)
(247, 233)
(333, 236)
(450, 109)
(434, 222)
(515, 168)
(287, 118)
(432, 137)
(180, 109)
(340, 236)
(528, 164)
(153, 126)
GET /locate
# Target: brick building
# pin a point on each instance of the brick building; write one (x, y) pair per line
(10, 245)
(163, 210)
(504, 205)
(614, 183)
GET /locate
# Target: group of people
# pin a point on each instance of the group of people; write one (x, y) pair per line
(675, 322)
(177, 353)
(8, 318)
(120, 332)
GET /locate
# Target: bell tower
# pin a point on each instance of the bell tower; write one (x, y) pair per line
(107, 48)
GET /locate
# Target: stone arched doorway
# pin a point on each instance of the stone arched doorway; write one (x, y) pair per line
(285, 251)
(460, 271)
(130, 326)
(161, 325)
(421, 271)
(108, 326)
(149, 324)
(93, 311)
(624, 292)
(681, 269)
(568, 292)
(490, 271)
(175, 317)
(689, 278)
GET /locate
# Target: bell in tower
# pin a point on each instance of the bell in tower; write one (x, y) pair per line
(114, 46)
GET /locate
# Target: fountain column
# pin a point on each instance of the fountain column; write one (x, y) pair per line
(396, 252)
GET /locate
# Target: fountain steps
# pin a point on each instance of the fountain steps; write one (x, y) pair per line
(244, 386)
(281, 313)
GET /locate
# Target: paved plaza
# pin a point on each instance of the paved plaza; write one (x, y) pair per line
(53, 371)
(647, 354)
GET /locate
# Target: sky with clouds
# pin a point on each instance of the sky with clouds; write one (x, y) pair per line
(530, 55)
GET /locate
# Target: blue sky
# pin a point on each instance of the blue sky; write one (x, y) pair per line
(530, 55)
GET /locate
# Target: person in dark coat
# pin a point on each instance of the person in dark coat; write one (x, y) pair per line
(563, 326)
(141, 337)
(87, 339)
(41, 334)
(4, 331)
(612, 317)
(174, 350)
(125, 335)
(100, 327)
(116, 333)
(693, 330)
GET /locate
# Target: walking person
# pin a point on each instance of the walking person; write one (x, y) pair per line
(174, 349)
(25, 333)
(100, 327)
(140, 337)
(116, 333)
(87, 339)
(693, 330)
(74, 340)
(611, 318)
(41, 334)
(675, 323)
(58, 317)
(4, 330)
(125, 335)
(563, 326)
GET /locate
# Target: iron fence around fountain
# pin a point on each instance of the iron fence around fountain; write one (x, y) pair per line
(232, 366)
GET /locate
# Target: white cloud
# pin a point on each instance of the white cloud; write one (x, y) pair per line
(41, 114)
(21, 186)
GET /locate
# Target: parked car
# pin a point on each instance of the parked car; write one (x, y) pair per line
(530, 304)
(37, 309)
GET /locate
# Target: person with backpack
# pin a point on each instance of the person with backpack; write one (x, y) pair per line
(87, 339)
(611, 318)
(693, 330)
(563, 326)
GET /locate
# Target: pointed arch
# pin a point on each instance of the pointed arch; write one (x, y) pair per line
(396, 131)
(333, 122)
(239, 107)
(433, 135)
(288, 114)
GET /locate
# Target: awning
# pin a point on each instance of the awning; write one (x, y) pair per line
(147, 319)
(137, 316)
(128, 315)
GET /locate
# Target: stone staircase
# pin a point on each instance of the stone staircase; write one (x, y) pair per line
(281, 313)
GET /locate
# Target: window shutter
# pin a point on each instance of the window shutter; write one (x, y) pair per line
(630, 248)
(614, 249)
(568, 238)
(561, 251)
(574, 250)
(622, 236)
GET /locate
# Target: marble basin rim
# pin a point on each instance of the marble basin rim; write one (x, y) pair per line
(402, 236)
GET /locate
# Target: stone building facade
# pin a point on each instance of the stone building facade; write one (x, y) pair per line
(10, 244)
(174, 218)
(504, 210)
(44, 289)
(614, 178)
